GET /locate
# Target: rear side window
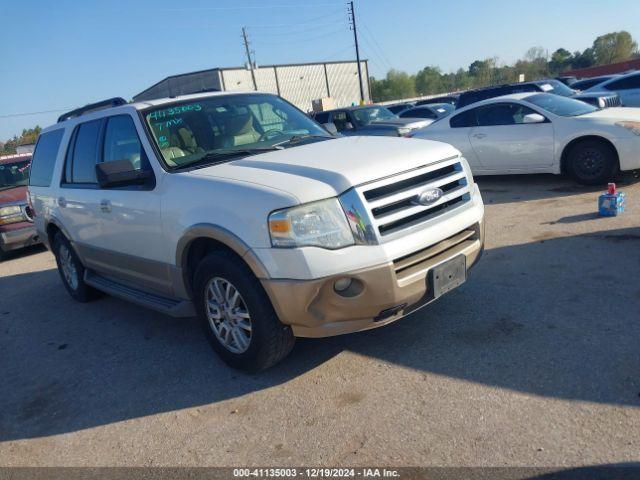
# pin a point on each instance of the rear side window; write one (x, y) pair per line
(321, 117)
(44, 158)
(121, 142)
(464, 119)
(85, 153)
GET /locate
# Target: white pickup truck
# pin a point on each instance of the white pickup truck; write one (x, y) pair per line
(240, 209)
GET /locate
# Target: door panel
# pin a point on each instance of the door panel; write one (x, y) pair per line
(504, 143)
(131, 242)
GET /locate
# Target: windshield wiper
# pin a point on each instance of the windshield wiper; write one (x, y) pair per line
(223, 155)
(298, 138)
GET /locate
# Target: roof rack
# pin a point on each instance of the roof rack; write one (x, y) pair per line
(91, 107)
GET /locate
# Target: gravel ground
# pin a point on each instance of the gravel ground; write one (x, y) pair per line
(534, 361)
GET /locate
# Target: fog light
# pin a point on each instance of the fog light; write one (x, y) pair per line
(342, 284)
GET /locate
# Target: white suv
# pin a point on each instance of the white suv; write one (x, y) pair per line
(242, 210)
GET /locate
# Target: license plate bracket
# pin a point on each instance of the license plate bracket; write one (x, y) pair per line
(448, 275)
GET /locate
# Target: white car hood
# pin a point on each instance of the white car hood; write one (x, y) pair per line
(327, 168)
(614, 114)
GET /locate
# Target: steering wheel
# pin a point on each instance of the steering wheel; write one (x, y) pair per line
(270, 134)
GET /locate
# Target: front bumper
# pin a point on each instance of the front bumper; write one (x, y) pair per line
(19, 235)
(383, 293)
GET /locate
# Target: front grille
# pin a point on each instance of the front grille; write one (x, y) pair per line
(392, 201)
(613, 101)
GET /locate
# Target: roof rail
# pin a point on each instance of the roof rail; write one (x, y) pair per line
(91, 107)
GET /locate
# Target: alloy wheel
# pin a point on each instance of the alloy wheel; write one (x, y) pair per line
(228, 315)
(68, 267)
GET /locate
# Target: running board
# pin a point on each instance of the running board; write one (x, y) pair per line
(168, 306)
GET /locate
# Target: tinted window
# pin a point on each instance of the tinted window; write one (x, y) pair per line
(464, 119)
(418, 113)
(502, 114)
(85, 152)
(121, 141)
(632, 81)
(398, 108)
(44, 158)
(340, 120)
(588, 83)
(321, 117)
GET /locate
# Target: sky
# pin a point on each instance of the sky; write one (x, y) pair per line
(64, 54)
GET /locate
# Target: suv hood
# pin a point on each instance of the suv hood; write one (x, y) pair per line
(325, 169)
(13, 195)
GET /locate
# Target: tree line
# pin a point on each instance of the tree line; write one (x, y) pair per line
(537, 63)
(28, 136)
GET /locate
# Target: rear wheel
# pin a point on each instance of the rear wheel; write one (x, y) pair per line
(71, 270)
(237, 316)
(592, 162)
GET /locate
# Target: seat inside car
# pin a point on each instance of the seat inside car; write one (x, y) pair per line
(240, 130)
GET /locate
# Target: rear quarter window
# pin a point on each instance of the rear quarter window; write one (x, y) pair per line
(464, 119)
(44, 158)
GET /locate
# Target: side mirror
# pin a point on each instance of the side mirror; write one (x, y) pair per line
(331, 128)
(120, 173)
(533, 118)
(348, 126)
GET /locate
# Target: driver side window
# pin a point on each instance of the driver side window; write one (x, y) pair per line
(340, 120)
(502, 114)
(121, 142)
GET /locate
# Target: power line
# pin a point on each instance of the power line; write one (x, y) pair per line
(298, 40)
(379, 48)
(305, 22)
(10, 115)
(256, 7)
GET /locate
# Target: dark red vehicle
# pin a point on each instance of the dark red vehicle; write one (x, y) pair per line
(16, 217)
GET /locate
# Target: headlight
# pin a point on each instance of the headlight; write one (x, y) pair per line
(318, 224)
(601, 102)
(402, 131)
(633, 127)
(11, 214)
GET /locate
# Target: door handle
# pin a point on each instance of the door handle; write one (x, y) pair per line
(105, 206)
(62, 202)
(479, 135)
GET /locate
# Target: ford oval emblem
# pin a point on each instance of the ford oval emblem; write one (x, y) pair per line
(429, 196)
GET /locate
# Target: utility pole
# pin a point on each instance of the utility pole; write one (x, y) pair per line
(352, 19)
(246, 48)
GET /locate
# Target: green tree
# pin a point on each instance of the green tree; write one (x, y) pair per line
(560, 61)
(614, 47)
(429, 81)
(28, 136)
(396, 85)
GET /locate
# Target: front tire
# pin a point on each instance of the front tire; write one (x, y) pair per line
(592, 162)
(71, 270)
(237, 316)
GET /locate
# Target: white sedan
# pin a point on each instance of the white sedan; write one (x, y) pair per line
(542, 133)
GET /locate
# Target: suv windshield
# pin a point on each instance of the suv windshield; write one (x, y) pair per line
(14, 174)
(220, 128)
(364, 116)
(565, 107)
(556, 87)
